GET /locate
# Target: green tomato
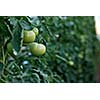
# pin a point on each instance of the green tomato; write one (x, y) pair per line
(29, 36)
(10, 48)
(36, 31)
(37, 49)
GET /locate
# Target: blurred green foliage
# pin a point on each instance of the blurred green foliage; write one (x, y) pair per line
(71, 47)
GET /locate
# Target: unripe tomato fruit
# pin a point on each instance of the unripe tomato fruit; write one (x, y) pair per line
(10, 48)
(29, 36)
(37, 49)
(36, 31)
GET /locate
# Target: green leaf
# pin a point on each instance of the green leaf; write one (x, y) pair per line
(17, 38)
(4, 29)
(25, 24)
(13, 20)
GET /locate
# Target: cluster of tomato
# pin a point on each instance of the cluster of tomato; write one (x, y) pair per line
(29, 37)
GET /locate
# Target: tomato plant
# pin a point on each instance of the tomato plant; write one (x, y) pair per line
(47, 49)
